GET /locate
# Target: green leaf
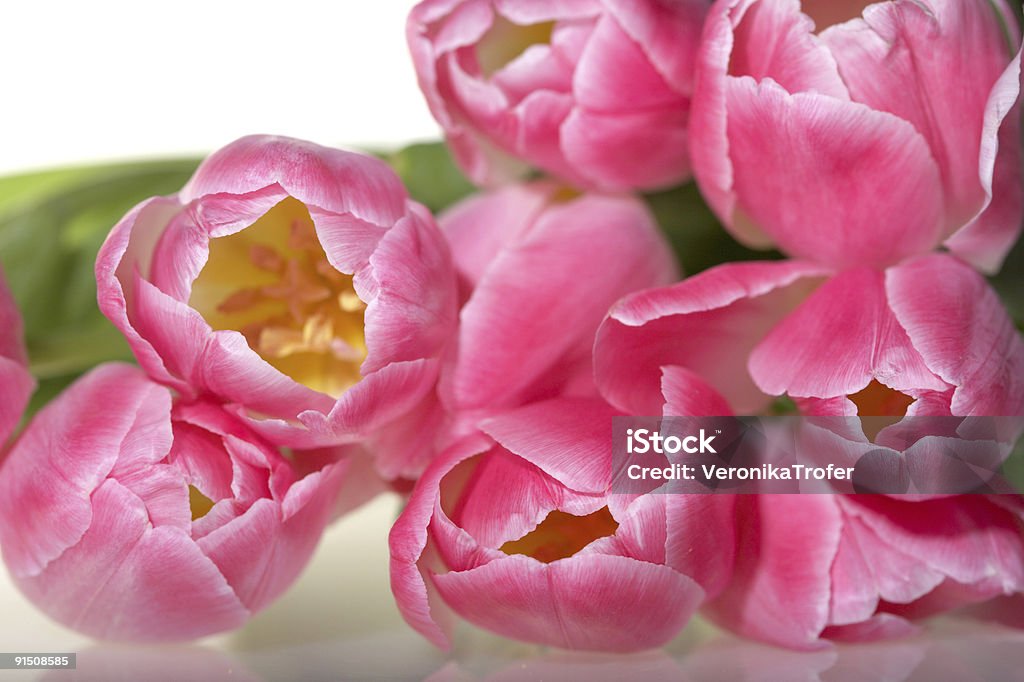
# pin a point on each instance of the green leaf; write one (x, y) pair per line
(698, 239)
(430, 174)
(51, 227)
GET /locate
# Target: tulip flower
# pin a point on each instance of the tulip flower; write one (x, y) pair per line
(515, 530)
(862, 141)
(927, 337)
(16, 384)
(863, 567)
(296, 283)
(526, 325)
(596, 92)
(127, 515)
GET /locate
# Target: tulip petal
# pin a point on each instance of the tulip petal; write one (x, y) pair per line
(965, 538)
(902, 58)
(44, 494)
(669, 34)
(570, 440)
(18, 387)
(864, 179)
(702, 538)
(507, 497)
(410, 306)
(614, 74)
(837, 341)
(507, 340)
(17, 383)
(773, 40)
(125, 256)
(480, 226)
(688, 394)
(408, 542)
(780, 592)
(590, 601)
(985, 241)
(707, 324)
(330, 179)
(104, 584)
(961, 329)
(645, 149)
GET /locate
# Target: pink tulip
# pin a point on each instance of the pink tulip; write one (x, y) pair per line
(862, 141)
(294, 282)
(126, 515)
(926, 337)
(863, 567)
(538, 268)
(596, 92)
(517, 531)
(16, 384)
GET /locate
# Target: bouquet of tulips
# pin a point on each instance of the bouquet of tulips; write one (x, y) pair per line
(312, 326)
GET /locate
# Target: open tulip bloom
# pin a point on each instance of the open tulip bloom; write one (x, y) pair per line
(295, 282)
(307, 335)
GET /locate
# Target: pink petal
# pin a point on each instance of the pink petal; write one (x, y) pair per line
(837, 341)
(506, 343)
(965, 538)
(329, 179)
(669, 34)
(875, 194)
(709, 140)
(708, 324)
(688, 394)
(12, 342)
(614, 75)
(411, 312)
(780, 592)
(644, 149)
(902, 57)
(506, 497)
(377, 399)
(963, 333)
(701, 541)
(480, 226)
(570, 440)
(985, 241)
(591, 601)
(125, 256)
(18, 387)
(124, 579)
(17, 383)
(528, 12)
(773, 40)
(408, 541)
(65, 454)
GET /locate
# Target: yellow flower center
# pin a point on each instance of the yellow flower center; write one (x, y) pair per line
(505, 41)
(879, 406)
(561, 535)
(199, 503)
(272, 282)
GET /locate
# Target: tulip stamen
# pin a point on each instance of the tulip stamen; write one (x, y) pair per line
(273, 283)
(879, 406)
(826, 13)
(505, 41)
(561, 535)
(198, 503)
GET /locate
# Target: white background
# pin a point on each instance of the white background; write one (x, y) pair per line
(116, 79)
